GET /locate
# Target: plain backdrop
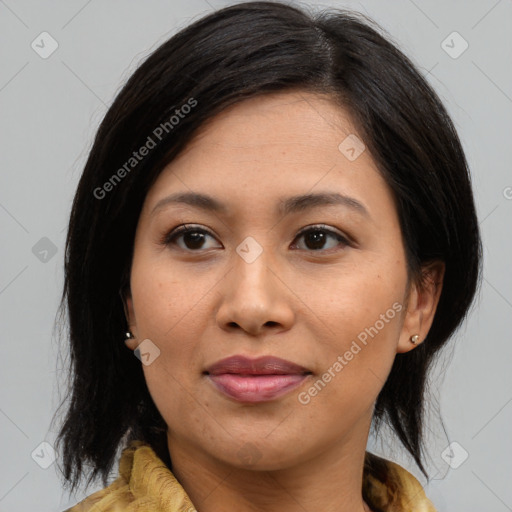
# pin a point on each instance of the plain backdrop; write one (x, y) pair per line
(51, 105)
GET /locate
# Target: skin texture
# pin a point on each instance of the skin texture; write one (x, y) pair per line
(300, 300)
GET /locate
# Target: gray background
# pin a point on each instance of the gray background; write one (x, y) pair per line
(50, 110)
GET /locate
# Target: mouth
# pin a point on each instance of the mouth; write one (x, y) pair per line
(255, 380)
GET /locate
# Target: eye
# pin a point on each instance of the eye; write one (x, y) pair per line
(193, 237)
(315, 238)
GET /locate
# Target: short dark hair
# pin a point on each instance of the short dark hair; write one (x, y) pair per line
(235, 53)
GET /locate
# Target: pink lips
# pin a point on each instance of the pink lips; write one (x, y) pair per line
(256, 380)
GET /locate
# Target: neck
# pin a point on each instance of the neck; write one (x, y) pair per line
(330, 481)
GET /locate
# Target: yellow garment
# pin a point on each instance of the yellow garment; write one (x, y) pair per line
(145, 484)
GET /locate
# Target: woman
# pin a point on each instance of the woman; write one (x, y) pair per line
(278, 212)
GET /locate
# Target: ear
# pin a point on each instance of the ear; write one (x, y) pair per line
(421, 305)
(126, 297)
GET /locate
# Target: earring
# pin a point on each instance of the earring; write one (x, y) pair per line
(415, 339)
(128, 336)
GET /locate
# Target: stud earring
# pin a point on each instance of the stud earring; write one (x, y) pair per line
(415, 339)
(128, 336)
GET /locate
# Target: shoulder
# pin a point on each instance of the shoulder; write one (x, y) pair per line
(113, 498)
(118, 494)
(392, 488)
(144, 483)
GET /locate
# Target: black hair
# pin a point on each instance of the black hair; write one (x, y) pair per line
(232, 54)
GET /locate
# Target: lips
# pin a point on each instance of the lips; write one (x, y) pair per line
(255, 380)
(264, 365)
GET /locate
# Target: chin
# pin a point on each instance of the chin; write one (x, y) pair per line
(259, 455)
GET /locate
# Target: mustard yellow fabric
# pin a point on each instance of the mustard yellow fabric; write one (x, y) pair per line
(145, 484)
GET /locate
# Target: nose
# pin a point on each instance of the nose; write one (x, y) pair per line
(255, 297)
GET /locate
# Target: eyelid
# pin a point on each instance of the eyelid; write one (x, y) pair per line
(323, 227)
(181, 229)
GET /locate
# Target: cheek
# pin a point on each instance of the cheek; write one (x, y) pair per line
(162, 300)
(362, 322)
(349, 303)
(356, 366)
(165, 315)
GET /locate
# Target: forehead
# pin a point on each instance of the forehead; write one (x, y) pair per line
(276, 120)
(291, 142)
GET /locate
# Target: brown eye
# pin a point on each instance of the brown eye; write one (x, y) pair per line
(193, 238)
(315, 238)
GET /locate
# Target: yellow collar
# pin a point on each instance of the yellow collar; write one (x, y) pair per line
(145, 484)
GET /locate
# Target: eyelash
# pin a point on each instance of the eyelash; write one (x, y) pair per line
(170, 237)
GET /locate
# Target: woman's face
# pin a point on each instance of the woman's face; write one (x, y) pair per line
(245, 281)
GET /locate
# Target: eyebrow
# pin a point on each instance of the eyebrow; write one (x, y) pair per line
(286, 206)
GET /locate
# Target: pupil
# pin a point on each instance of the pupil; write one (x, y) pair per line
(317, 237)
(195, 238)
